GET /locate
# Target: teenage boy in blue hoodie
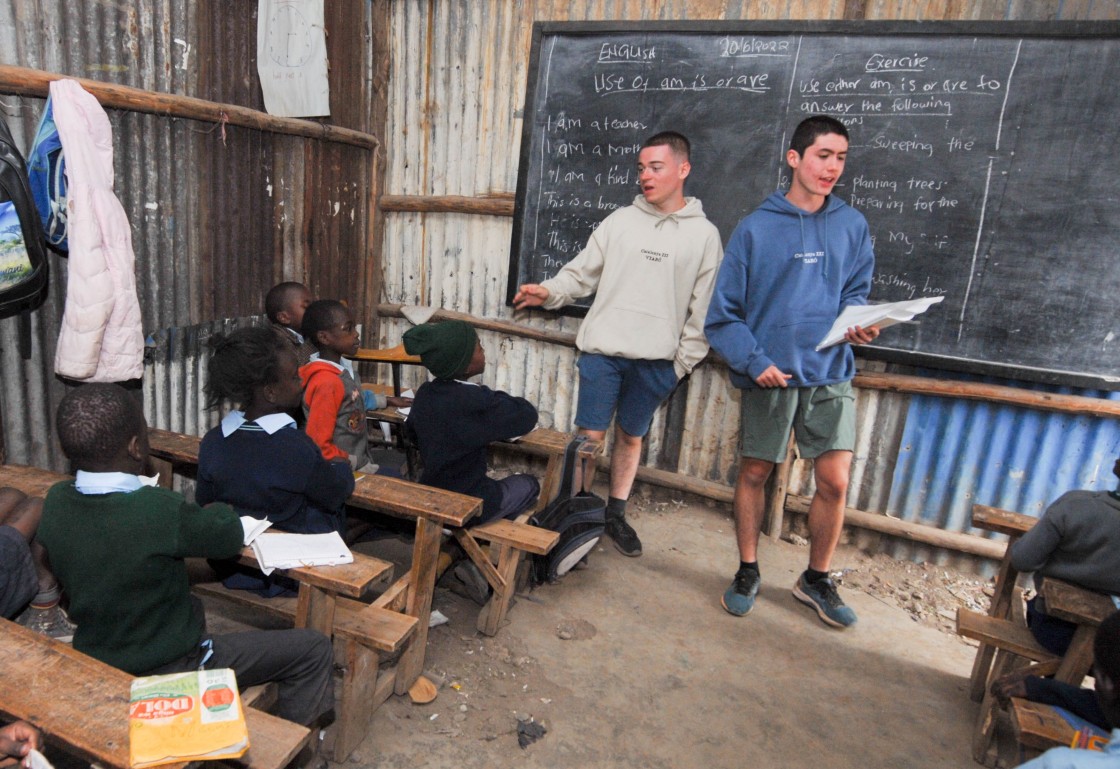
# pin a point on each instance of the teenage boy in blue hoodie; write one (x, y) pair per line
(789, 269)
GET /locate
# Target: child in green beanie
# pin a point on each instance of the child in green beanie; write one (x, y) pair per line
(454, 420)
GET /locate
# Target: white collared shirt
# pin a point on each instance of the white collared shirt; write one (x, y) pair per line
(270, 423)
(107, 483)
(347, 365)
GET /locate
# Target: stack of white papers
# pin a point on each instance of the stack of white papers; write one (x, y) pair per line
(881, 315)
(288, 551)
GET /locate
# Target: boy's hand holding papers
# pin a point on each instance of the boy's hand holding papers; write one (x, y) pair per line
(880, 315)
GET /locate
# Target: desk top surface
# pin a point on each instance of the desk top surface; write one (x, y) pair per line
(83, 703)
(1074, 603)
(404, 499)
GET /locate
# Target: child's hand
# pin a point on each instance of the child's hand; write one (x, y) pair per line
(399, 402)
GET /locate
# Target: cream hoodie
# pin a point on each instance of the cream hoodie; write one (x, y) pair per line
(652, 276)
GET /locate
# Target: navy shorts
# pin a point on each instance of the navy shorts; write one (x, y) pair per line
(629, 390)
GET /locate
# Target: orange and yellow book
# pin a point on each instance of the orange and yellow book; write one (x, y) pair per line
(190, 716)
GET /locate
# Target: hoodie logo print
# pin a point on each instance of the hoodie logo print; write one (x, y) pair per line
(809, 257)
(654, 256)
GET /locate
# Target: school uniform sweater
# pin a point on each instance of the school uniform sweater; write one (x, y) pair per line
(278, 475)
(119, 557)
(454, 422)
(652, 276)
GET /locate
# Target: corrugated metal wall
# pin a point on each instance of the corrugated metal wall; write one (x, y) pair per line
(459, 72)
(218, 213)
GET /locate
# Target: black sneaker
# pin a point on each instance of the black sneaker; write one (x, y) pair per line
(624, 537)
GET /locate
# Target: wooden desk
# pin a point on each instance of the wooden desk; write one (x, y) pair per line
(1014, 525)
(432, 509)
(394, 356)
(1087, 609)
(83, 704)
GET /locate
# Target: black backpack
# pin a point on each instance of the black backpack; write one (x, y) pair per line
(579, 520)
(23, 255)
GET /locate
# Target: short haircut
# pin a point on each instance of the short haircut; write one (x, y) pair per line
(677, 142)
(321, 315)
(243, 360)
(280, 297)
(812, 127)
(95, 421)
(1106, 647)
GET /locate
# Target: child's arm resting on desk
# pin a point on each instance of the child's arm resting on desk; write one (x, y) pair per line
(213, 531)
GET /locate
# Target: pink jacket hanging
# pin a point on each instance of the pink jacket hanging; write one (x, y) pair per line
(102, 336)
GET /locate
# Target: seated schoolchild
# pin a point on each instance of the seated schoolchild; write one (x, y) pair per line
(117, 543)
(256, 459)
(284, 304)
(25, 581)
(1076, 540)
(1106, 672)
(454, 421)
(333, 399)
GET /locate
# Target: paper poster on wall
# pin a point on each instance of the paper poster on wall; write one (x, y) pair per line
(292, 58)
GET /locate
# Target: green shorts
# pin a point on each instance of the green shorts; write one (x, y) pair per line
(822, 419)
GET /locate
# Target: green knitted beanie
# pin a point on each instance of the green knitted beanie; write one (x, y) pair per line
(445, 348)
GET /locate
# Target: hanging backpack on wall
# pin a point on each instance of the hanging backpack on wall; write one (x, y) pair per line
(23, 257)
(580, 520)
(46, 173)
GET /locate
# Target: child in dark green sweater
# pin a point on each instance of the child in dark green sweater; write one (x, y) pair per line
(117, 544)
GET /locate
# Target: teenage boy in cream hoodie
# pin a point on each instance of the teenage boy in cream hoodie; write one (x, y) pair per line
(651, 267)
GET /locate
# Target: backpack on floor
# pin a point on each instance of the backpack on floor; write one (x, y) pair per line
(23, 257)
(579, 520)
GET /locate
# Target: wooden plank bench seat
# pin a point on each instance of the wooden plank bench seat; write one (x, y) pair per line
(509, 541)
(81, 704)
(1039, 727)
(377, 628)
(1002, 634)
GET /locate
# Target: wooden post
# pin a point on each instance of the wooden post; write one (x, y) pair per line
(779, 487)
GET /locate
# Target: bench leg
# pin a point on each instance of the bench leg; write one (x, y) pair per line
(494, 613)
(358, 701)
(315, 609)
(422, 580)
(984, 732)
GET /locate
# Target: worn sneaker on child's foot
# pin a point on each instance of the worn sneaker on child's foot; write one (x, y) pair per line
(739, 598)
(822, 596)
(470, 582)
(623, 535)
(49, 620)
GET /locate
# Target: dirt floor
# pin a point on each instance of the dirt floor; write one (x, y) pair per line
(633, 663)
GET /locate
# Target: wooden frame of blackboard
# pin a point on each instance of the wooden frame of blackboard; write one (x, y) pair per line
(990, 363)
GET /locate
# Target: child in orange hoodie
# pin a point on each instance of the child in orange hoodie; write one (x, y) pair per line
(333, 399)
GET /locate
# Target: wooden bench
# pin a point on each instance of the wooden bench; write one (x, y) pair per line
(362, 633)
(1039, 727)
(82, 704)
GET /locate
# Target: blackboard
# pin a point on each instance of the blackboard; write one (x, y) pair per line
(984, 156)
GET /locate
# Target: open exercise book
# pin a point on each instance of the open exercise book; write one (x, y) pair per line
(881, 315)
(185, 717)
(277, 550)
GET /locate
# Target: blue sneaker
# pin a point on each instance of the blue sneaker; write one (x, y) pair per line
(823, 597)
(739, 598)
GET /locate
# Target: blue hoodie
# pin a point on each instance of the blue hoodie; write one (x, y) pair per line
(785, 277)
